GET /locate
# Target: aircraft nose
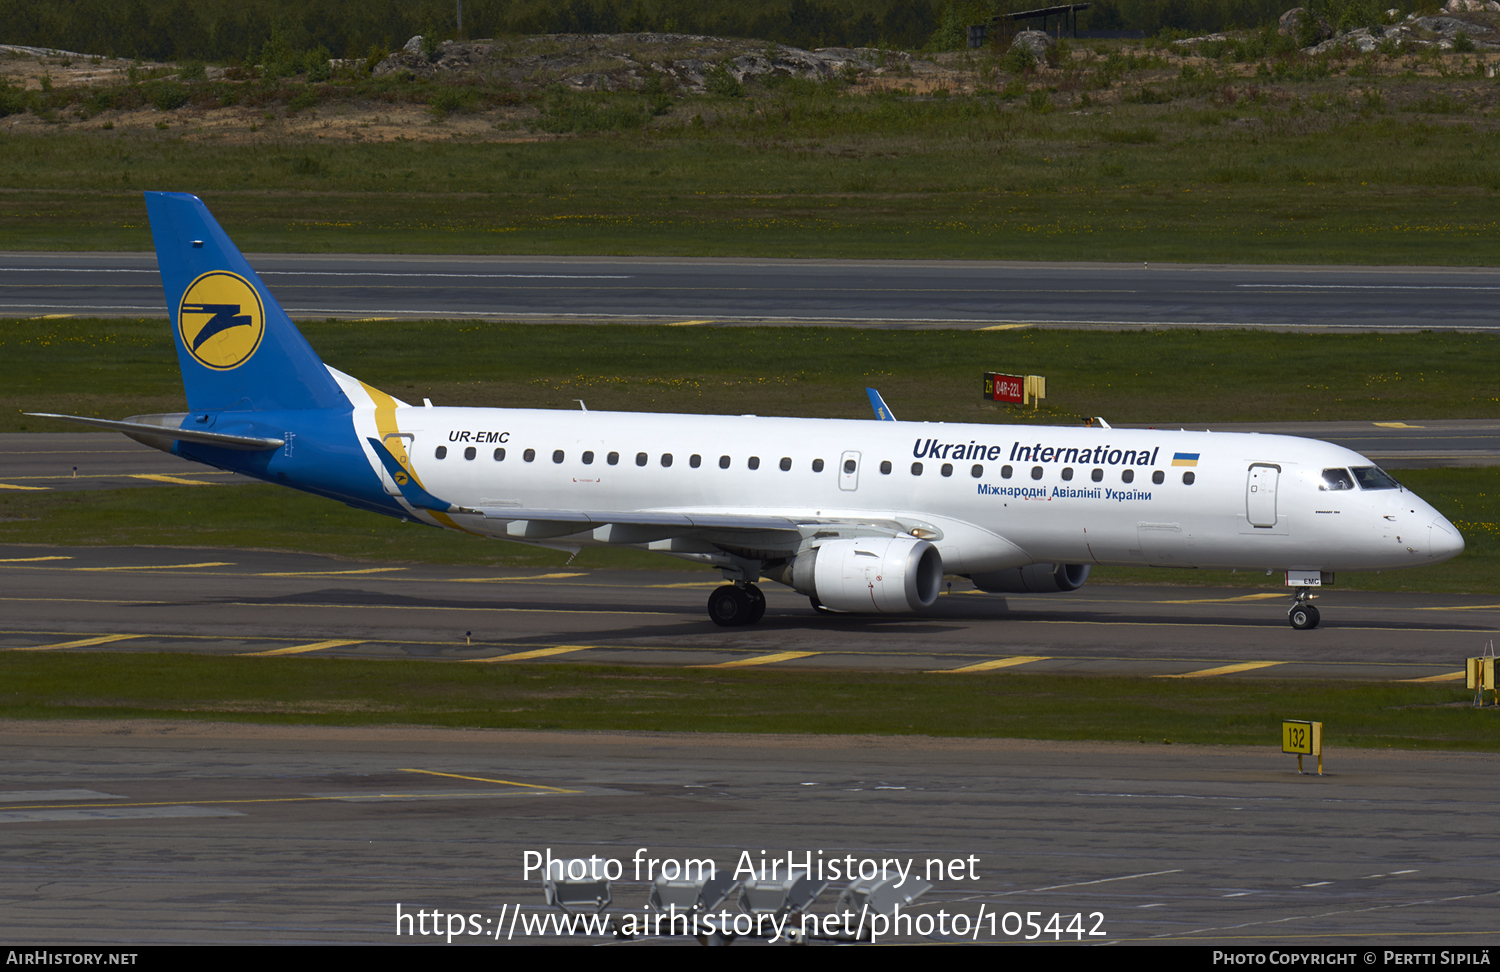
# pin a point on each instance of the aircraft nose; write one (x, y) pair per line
(1445, 542)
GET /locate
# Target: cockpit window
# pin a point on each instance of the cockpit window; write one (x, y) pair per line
(1337, 479)
(1371, 477)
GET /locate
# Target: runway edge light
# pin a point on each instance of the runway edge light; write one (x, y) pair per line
(1303, 738)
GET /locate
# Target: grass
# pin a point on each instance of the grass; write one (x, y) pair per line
(115, 367)
(1111, 156)
(576, 697)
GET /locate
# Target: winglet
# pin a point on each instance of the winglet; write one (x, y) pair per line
(410, 491)
(882, 410)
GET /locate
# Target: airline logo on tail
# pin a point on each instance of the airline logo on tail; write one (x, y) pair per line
(221, 320)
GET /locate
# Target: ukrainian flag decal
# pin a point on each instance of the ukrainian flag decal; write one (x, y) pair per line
(221, 320)
(1184, 458)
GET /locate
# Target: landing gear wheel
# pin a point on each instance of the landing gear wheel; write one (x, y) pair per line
(757, 603)
(1304, 617)
(731, 606)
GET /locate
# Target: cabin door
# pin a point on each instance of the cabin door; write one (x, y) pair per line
(1260, 495)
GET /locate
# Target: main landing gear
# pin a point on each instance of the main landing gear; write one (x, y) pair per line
(736, 604)
(1303, 615)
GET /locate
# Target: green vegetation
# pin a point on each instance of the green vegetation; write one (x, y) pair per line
(578, 697)
(112, 367)
(1240, 150)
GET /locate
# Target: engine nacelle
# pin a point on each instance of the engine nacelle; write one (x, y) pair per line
(1033, 579)
(880, 574)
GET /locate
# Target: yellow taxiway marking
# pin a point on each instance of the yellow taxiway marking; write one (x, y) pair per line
(80, 643)
(53, 317)
(992, 665)
(215, 563)
(329, 573)
(686, 323)
(482, 779)
(299, 649)
(717, 583)
(1001, 327)
(496, 580)
(1225, 669)
(164, 478)
(1226, 600)
(14, 486)
(30, 560)
(1449, 677)
(1460, 607)
(538, 653)
(1397, 425)
(780, 656)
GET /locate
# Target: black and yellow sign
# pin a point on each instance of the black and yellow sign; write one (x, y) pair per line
(1303, 738)
(221, 320)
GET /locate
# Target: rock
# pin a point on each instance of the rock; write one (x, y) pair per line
(1290, 25)
(413, 46)
(1035, 41)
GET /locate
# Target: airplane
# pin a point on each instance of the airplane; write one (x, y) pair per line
(859, 516)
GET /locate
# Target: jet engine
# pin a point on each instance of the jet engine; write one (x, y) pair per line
(1033, 579)
(878, 574)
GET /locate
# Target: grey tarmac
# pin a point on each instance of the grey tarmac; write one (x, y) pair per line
(292, 834)
(223, 601)
(727, 292)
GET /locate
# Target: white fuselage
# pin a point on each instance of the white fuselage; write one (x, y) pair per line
(999, 495)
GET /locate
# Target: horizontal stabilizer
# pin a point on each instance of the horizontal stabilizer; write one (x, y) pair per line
(246, 443)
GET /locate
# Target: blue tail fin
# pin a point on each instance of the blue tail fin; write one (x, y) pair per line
(238, 349)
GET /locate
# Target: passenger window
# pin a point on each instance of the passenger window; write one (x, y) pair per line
(1067, 474)
(1337, 479)
(695, 460)
(786, 464)
(1097, 475)
(640, 458)
(1005, 472)
(1036, 472)
(817, 466)
(885, 467)
(723, 462)
(529, 455)
(470, 452)
(753, 462)
(976, 471)
(499, 455)
(588, 458)
(1128, 476)
(613, 458)
(666, 459)
(557, 455)
(849, 466)
(1158, 477)
(441, 452)
(1188, 478)
(947, 469)
(916, 469)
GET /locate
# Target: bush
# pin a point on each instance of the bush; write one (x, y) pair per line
(720, 82)
(192, 71)
(168, 96)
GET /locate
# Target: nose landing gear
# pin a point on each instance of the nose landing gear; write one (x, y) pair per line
(1302, 615)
